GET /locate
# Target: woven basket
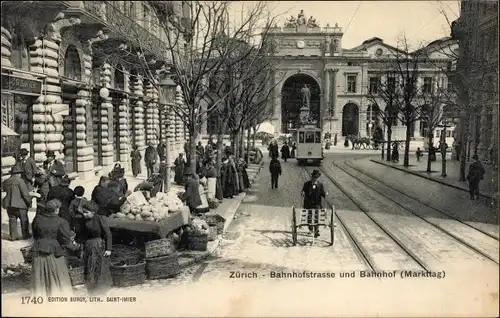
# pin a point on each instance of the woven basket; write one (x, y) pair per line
(27, 255)
(198, 242)
(160, 247)
(126, 254)
(77, 275)
(212, 232)
(216, 220)
(163, 266)
(128, 275)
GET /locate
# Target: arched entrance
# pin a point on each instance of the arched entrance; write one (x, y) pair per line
(291, 100)
(350, 119)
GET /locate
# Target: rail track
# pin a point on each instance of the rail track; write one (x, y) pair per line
(346, 165)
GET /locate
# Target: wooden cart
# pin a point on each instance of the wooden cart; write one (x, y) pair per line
(313, 217)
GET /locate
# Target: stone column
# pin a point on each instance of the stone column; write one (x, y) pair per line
(6, 47)
(125, 147)
(138, 111)
(106, 107)
(334, 92)
(156, 114)
(328, 111)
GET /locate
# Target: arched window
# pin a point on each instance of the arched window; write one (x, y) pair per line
(119, 78)
(20, 54)
(72, 66)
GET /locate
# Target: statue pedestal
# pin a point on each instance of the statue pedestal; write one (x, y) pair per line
(302, 28)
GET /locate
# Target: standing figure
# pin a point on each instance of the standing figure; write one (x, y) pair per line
(95, 236)
(200, 151)
(117, 175)
(306, 96)
(285, 152)
(65, 195)
(301, 18)
(293, 149)
(395, 152)
(17, 202)
(313, 192)
(191, 195)
(150, 158)
(275, 170)
(136, 157)
(273, 149)
(54, 169)
(28, 165)
(49, 272)
(179, 166)
(475, 175)
(162, 150)
(418, 154)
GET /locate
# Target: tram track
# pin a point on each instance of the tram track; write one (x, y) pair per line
(377, 262)
(488, 251)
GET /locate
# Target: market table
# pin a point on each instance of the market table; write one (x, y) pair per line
(162, 229)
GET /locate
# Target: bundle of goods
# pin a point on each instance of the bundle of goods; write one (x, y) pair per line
(27, 255)
(162, 260)
(213, 203)
(155, 210)
(126, 274)
(198, 235)
(217, 220)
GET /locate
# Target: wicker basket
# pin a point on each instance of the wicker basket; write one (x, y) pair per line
(197, 242)
(77, 275)
(163, 266)
(27, 255)
(212, 232)
(160, 247)
(128, 275)
(216, 220)
(126, 254)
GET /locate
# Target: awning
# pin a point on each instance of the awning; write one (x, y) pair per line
(7, 132)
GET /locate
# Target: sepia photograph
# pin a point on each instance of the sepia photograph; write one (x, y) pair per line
(250, 158)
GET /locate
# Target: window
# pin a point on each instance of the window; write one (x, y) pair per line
(391, 83)
(351, 83)
(72, 66)
(449, 85)
(301, 137)
(310, 137)
(427, 88)
(20, 54)
(373, 85)
(317, 137)
(146, 17)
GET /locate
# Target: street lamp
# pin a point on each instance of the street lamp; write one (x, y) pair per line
(167, 98)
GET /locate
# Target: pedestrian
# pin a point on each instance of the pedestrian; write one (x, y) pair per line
(395, 152)
(54, 169)
(28, 165)
(419, 154)
(191, 194)
(117, 175)
(42, 183)
(95, 236)
(150, 158)
(162, 150)
(17, 201)
(475, 175)
(292, 150)
(49, 273)
(285, 152)
(313, 192)
(75, 216)
(136, 157)
(200, 151)
(65, 195)
(275, 170)
(108, 200)
(179, 166)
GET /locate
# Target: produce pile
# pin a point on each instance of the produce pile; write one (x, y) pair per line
(155, 210)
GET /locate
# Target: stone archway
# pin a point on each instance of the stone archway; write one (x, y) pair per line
(350, 119)
(291, 100)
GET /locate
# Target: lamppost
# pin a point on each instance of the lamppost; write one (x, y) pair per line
(167, 99)
(443, 150)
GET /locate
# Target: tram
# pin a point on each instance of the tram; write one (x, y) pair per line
(309, 145)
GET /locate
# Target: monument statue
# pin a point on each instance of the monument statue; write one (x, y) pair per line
(311, 23)
(334, 46)
(290, 22)
(306, 96)
(301, 18)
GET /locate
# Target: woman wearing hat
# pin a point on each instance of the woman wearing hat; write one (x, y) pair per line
(95, 236)
(65, 195)
(192, 194)
(313, 192)
(17, 202)
(49, 275)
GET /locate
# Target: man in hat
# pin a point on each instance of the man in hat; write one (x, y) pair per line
(192, 194)
(162, 150)
(28, 165)
(313, 192)
(54, 169)
(475, 175)
(17, 202)
(65, 195)
(150, 157)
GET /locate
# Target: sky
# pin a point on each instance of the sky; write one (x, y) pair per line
(420, 21)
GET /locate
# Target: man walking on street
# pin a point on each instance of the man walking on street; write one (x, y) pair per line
(475, 175)
(275, 169)
(313, 192)
(28, 165)
(150, 157)
(17, 202)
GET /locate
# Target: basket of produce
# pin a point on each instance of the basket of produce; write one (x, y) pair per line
(125, 275)
(163, 266)
(216, 219)
(213, 203)
(27, 255)
(198, 235)
(160, 247)
(77, 275)
(212, 232)
(126, 254)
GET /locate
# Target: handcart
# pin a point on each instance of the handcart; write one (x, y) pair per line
(313, 217)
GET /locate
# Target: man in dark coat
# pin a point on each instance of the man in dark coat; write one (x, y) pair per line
(162, 150)
(65, 195)
(285, 151)
(108, 200)
(200, 151)
(313, 192)
(275, 170)
(150, 157)
(475, 175)
(28, 165)
(54, 169)
(192, 194)
(17, 202)
(179, 165)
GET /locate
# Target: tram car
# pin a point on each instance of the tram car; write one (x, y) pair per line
(309, 145)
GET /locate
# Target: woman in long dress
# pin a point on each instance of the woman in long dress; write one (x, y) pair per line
(95, 236)
(49, 274)
(136, 157)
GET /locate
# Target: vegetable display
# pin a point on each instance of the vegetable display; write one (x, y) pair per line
(156, 210)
